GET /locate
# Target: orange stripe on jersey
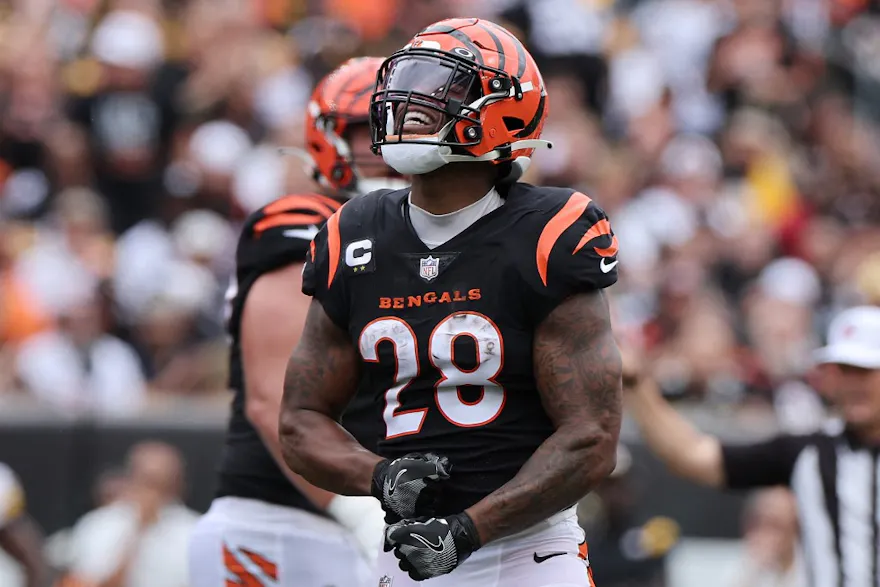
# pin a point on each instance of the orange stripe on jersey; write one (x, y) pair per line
(269, 568)
(334, 244)
(287, 220)
(609, 251)
(601, 228)
(330, 202)
(569, 214)
(312, 249)
(297, 202)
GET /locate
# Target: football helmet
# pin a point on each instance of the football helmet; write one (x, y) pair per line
(339, 104)
(463, 89)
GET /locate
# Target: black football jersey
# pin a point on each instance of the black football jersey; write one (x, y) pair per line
(275, 236)
(445, 334)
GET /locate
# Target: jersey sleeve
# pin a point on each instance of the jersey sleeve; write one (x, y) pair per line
(12, 502)
(762, 464)
(280, 233)
(575, 252)
(322, 275)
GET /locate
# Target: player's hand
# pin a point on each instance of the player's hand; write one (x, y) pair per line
(409, 487)
(433, 547)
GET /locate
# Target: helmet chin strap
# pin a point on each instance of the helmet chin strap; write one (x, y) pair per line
(446, 151)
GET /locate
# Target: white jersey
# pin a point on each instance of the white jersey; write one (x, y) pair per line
(11, 496)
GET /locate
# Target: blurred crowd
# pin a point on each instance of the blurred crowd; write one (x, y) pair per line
(733, 144)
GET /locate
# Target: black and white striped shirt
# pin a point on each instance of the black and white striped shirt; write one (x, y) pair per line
(835, 480)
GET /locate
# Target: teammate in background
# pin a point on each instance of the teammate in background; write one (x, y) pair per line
(19, 535)
(266, 523)
(471, 308)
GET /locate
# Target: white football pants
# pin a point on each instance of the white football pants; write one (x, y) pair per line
(256, 544)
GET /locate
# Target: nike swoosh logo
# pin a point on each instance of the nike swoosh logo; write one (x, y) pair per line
(436, 547)
(303, 233)
(540, 559)
(393, 485)
(606, 267)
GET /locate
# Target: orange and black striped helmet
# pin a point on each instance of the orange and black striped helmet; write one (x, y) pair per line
(339, 101)
(467, 85)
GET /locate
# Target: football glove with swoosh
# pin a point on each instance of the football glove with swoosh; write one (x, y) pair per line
(409, 487)
(433, 547)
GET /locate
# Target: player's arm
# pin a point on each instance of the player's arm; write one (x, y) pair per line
(272, 321)
(322, 377)
(578, 373)
(703, 458)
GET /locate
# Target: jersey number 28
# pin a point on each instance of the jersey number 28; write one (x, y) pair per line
(490, 360)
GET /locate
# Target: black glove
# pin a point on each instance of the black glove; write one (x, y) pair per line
(434, 547)
(409, 487)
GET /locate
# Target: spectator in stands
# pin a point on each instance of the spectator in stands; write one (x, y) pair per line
(122, 117)
(92, 372)
(141, 540)
(110, 487)
(772, 550)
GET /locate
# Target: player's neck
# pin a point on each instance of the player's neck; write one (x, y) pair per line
(448, 190)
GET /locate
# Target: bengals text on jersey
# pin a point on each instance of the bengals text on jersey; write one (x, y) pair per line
(445, 334)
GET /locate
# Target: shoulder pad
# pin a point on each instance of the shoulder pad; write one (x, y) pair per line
(290, 213)
(575, 247)
(351, 228)
(280, 232)
(582, 230)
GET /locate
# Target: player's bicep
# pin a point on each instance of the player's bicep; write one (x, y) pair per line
(323, 370)
(578, 367)
(272, 321)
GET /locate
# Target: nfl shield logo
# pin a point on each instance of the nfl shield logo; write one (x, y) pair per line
(429, 269)
(385, 581)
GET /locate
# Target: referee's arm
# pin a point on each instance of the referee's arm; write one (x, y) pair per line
(700, 457)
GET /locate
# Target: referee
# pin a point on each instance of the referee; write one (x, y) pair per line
(833, 473)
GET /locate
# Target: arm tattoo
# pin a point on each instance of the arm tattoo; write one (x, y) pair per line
(322, 377)
(578, 374)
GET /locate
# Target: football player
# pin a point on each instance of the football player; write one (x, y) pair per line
(471, 307)
(266, 525)
(19, 535)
